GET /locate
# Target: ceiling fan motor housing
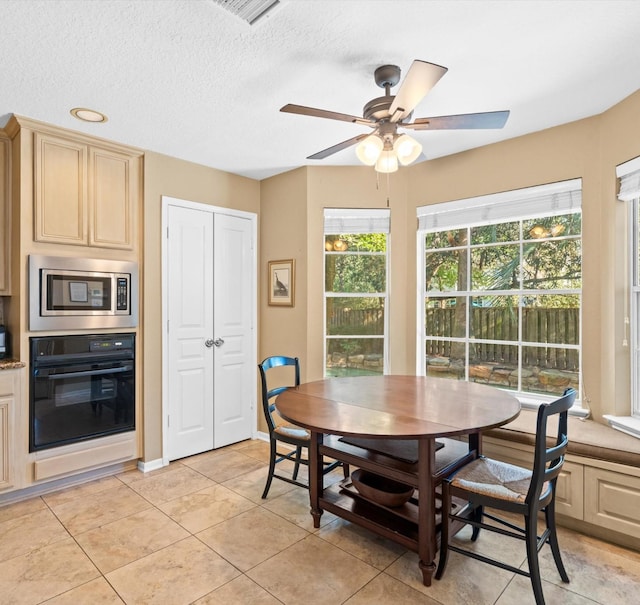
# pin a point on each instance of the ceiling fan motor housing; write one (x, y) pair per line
(387, 75)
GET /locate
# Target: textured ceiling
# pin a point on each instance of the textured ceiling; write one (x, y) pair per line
(191, 80)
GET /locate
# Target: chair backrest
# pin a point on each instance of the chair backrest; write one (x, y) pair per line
(269, 394)
(549, 453)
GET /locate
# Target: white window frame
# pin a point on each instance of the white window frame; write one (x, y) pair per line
(357, 220)
(634, 305)
(629, 175)
(532, 202)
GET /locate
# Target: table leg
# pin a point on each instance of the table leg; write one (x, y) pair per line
(475, 443)
(315, 477)
(426, 508)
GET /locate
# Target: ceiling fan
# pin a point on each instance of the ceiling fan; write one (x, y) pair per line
(385, 147)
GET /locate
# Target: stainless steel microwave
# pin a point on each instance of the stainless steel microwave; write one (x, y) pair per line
(68, 293)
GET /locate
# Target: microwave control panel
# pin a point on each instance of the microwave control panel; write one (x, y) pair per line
(122, 294)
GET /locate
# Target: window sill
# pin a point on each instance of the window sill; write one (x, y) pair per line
(531, 403)
(626, 424)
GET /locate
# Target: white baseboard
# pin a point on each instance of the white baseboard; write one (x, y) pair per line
(152, 465)
(262, 436)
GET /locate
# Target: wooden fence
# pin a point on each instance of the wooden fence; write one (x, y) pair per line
(539, 325)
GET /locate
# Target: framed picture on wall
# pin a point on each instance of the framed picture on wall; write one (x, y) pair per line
(282, 283)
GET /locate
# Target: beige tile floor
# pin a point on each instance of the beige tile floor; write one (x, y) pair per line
(198, 532)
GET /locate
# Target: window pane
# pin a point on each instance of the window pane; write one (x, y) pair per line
(495, 267)
(446, 271)
(636, 237)
(506, 340)
(355, 273)
(494, 364)
(494, 318)
(351, 316)
(446, 239)
(550, 370)
(490, 234)
(445, 359)
(446, 316)
(355, 356)
(356, 242)
(552, 265)
(552, 226)
(551, 318)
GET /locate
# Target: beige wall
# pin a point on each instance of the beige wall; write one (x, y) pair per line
(168, 176)
(589, 149)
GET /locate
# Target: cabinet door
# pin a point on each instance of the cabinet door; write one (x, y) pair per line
(60, 190)
(112, 195)
(612, 500)
(5, 216)
(6, 408)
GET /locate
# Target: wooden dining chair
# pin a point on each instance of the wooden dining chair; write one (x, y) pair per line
(289, 434)
(505, 487)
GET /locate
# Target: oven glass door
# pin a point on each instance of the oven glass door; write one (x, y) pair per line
(82, 401)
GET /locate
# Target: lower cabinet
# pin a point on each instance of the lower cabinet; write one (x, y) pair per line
(9, 397)
(6, 410)
(612, 500)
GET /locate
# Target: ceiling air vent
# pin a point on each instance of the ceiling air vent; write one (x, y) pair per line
(249, 11)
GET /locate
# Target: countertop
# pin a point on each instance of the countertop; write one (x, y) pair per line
(8, 363)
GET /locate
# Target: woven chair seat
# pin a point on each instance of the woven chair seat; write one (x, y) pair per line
(494, 478)
(293, 431)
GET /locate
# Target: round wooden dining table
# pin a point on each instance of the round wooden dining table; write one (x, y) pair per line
(393, 407)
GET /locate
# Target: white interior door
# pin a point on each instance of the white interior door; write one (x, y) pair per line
(234, 368)
(190, 300)
(210, 298)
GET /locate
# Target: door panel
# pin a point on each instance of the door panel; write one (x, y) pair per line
(234, 292)
(190, 313)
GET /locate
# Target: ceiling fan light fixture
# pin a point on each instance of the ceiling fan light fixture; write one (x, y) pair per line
(369, 149)
(407, 149)
(387, 162)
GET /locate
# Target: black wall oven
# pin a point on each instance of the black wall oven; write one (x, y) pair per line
(81, 387)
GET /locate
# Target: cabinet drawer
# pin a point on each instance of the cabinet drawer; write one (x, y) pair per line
(612, 500)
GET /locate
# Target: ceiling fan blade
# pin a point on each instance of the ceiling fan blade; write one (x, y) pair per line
(335, 148)
(420, 79)
(323, 113)
(488, 119)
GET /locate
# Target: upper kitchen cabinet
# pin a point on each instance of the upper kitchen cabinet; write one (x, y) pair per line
(85, 194)
(5, 213)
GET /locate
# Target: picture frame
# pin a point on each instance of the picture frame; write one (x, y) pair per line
(281, 285)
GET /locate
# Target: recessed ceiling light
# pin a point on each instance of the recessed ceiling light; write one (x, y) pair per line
(88, 115)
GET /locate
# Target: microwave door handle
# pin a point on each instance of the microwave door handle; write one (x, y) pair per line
(90, 373)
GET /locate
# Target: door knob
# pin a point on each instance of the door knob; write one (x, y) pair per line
(208, 343)
(218, 342)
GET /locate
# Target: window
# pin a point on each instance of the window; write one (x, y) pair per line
(356, 291)
(629, 174)
(634, 320)
(501, 289)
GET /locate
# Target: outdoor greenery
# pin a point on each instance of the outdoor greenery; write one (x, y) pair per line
(550, 258)
(355, 265)
(493, 289)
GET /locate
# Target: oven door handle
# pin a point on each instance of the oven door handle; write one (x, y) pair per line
(90, 373)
